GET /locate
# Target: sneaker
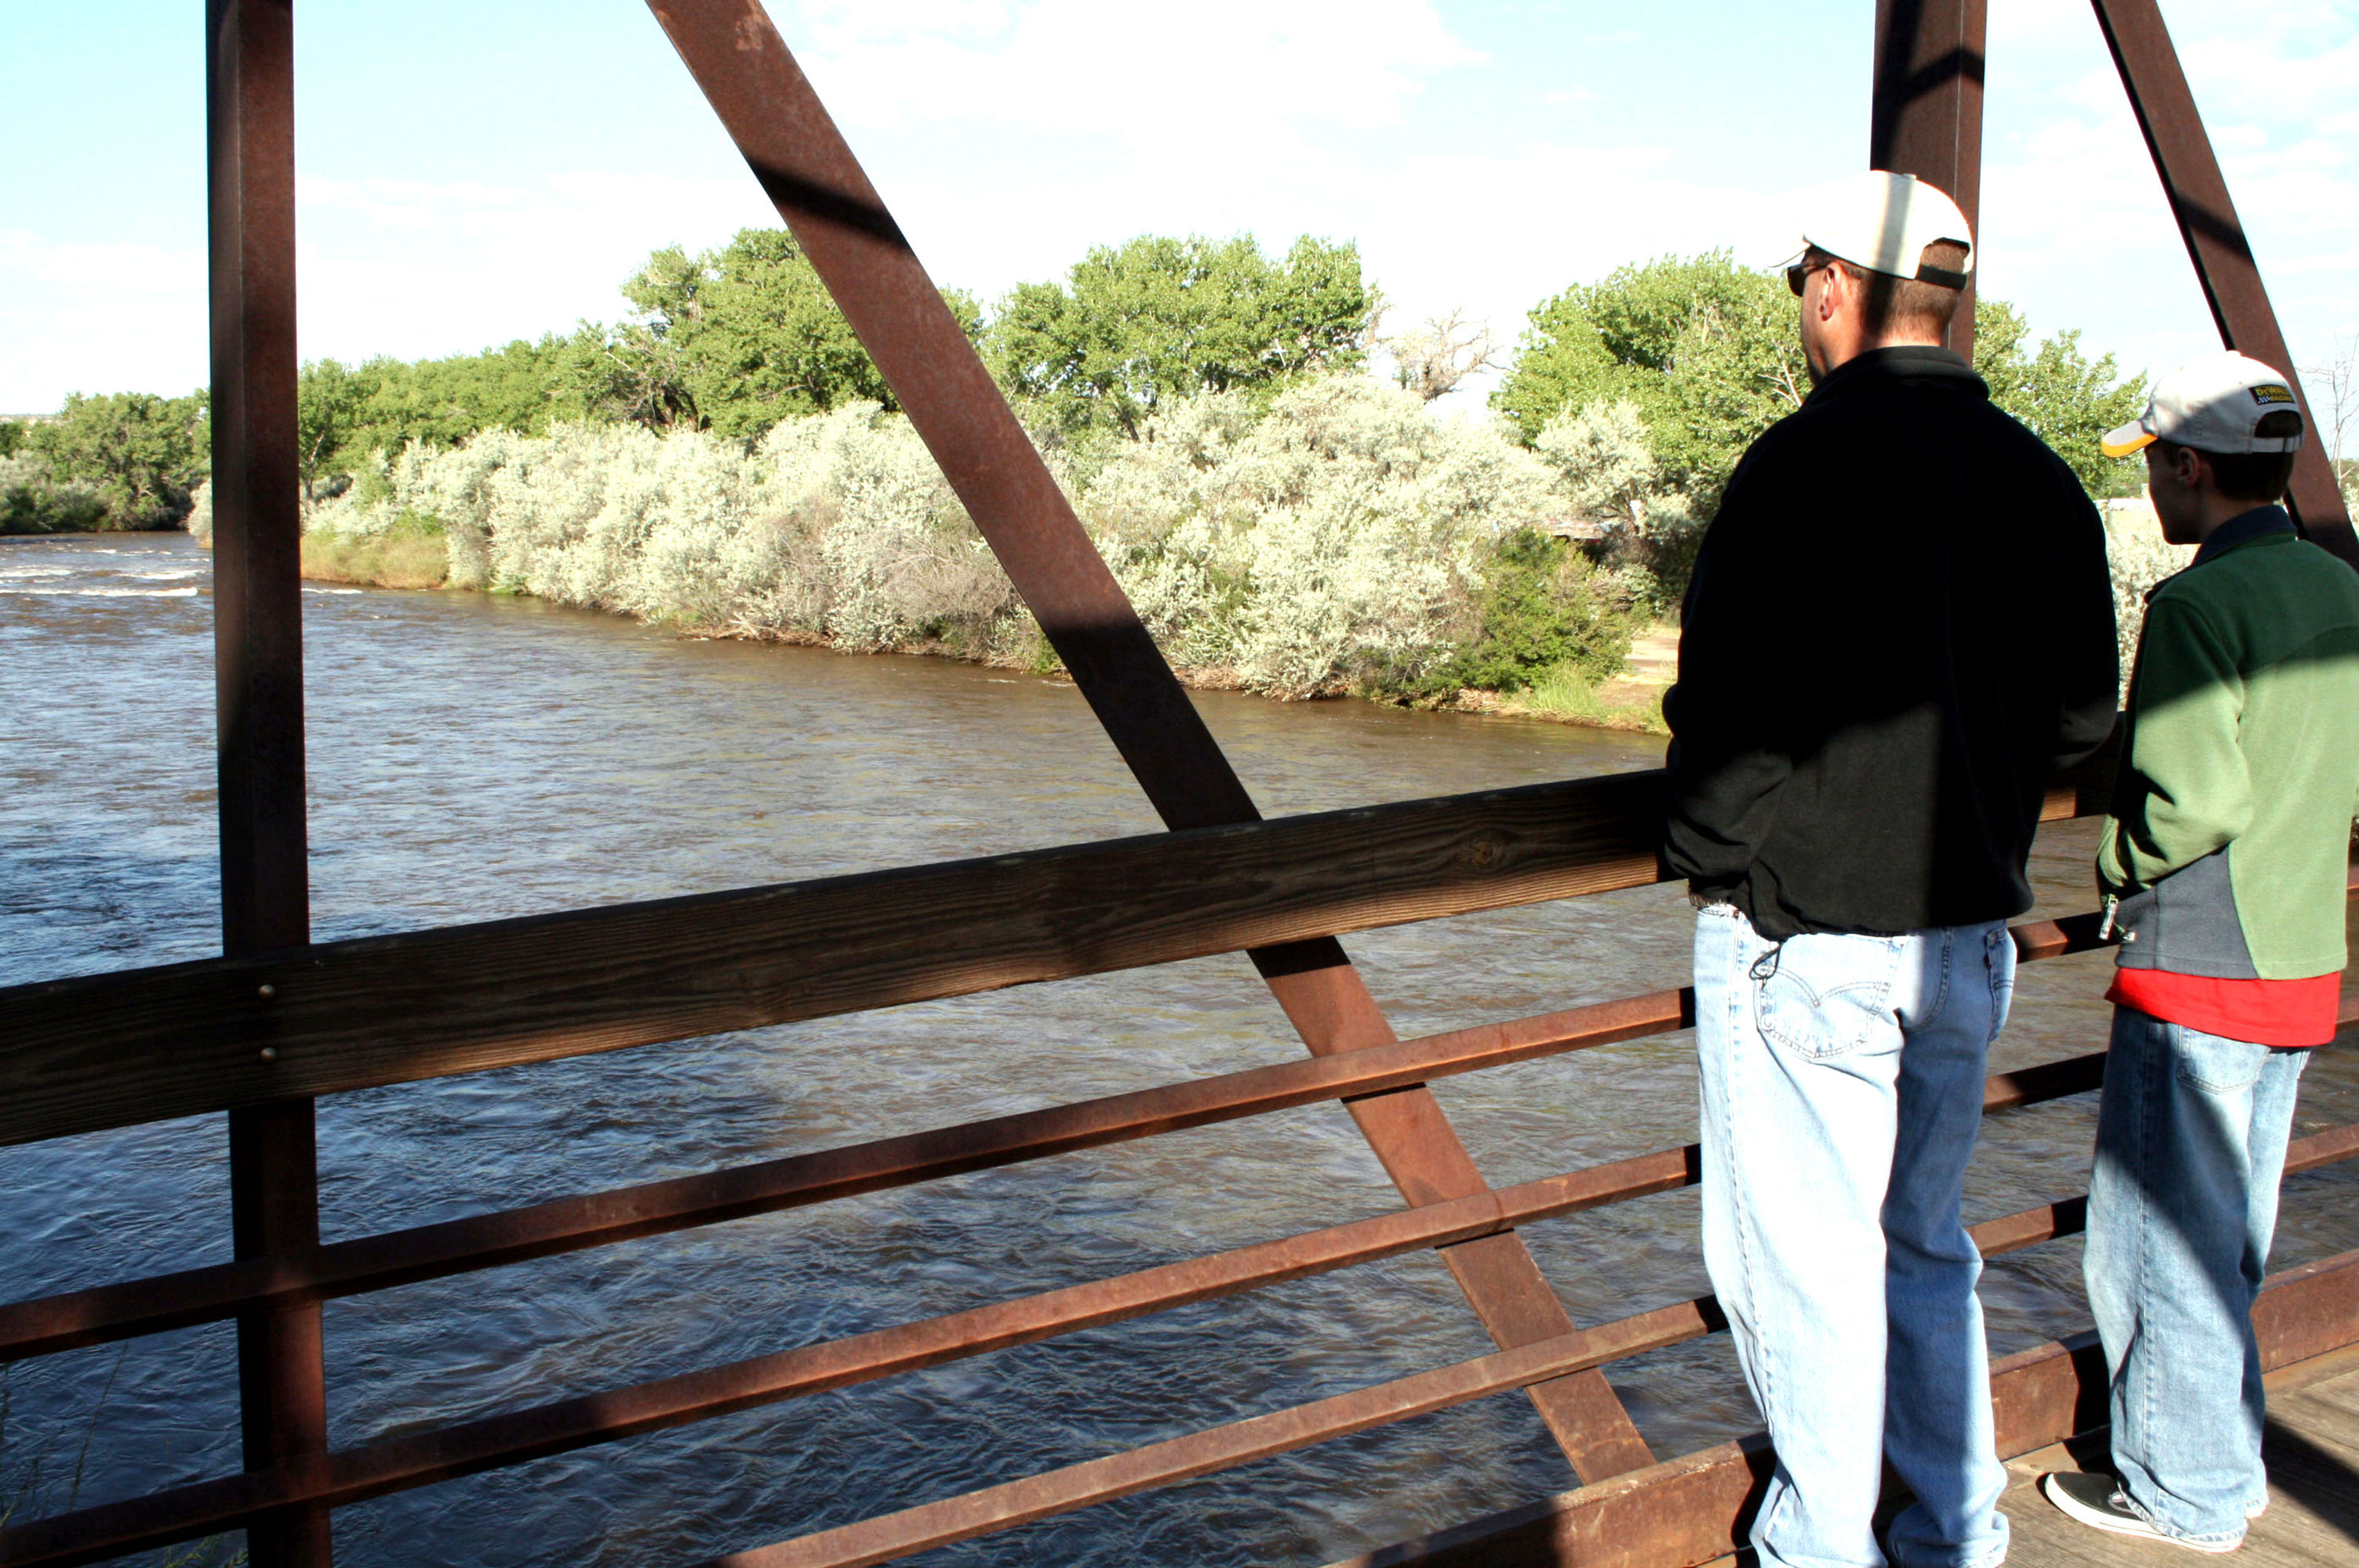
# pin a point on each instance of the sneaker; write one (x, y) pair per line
(2097, 1501)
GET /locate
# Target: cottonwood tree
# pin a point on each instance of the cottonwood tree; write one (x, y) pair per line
(1432, 359)
(2067, 399)
(1709, 354)
(1157, 318)
(329, 397)
(346, 413)
(142, 455)
(735, 339)
(1703, 348)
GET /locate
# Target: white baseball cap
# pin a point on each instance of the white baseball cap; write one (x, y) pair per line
(1883, 221)
(2213, 405)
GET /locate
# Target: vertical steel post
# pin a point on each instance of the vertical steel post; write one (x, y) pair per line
(1926, 117)
(2207, 221)
(258, 675)
(794, 148)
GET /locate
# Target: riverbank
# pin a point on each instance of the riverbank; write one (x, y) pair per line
(414, 558)
(1630, 700)
(1341, 541)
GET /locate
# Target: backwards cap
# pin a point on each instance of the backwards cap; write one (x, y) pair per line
(2213, 405)
(1883, 221)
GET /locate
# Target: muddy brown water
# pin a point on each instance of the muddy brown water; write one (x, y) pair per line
(473, 757)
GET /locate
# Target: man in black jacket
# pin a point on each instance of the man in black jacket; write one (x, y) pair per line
(1899, 625)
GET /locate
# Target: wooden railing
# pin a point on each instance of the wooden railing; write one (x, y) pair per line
(115, 1050)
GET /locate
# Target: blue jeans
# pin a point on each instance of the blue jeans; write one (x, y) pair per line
(2190, 1142)
(1843, 1089)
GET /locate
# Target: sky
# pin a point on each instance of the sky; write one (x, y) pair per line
(472, 172)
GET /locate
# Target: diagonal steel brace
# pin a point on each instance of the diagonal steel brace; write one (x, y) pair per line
(770, 110)
(2215, 238)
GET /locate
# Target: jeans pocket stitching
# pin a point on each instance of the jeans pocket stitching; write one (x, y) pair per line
(1869, 997)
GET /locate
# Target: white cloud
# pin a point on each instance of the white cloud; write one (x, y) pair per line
(97, 317)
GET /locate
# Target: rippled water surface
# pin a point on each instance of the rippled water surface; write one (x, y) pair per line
(473, 758)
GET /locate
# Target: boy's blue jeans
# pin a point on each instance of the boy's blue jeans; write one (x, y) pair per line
(1843, 1089)
(2190, 1142)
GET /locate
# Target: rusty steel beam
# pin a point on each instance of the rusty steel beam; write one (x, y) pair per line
(908, 1531)
(258, 673)
(44, 1325)
(2215, 238)
(904, 1533)
(2048, 1080)
(419, 1459)
(895, 1535)
(1926, 113)
(1690, 1511)
(767, 106)
(1677, 1514)
(401, 1464)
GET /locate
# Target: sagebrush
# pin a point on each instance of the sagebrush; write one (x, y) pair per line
(1337, 538)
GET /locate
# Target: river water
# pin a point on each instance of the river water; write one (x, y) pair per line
(473, 758)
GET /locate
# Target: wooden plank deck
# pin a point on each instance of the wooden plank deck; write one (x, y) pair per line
(2312, 1447)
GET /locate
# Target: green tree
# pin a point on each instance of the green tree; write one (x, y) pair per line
(2067, 399)
(329, 397)
(1710, 354)
(523, 385)
(735, 339)
(1158, 317)
(630, 372)
(12, 436)
(1704, 348)
(141, 454)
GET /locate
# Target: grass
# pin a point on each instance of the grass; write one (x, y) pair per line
(1564, 695)
(402, 557)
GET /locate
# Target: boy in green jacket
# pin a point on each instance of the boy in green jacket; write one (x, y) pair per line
(2224, 868)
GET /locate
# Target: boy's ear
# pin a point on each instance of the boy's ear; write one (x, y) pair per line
(2193, 470)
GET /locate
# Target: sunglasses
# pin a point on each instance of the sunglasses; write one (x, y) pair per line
(1800, 272)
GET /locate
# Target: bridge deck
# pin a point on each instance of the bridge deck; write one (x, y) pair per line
(2313, 1450)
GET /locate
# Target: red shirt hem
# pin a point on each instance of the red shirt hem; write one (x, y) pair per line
(2289, 1013)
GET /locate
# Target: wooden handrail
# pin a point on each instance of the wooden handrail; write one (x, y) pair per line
(104, 1051)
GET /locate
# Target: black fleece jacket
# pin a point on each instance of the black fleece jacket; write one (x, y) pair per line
(1900, 623)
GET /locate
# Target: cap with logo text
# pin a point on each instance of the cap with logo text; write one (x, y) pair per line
(1884, 221)
(2215, 404)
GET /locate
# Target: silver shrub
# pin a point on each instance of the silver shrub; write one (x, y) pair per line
(1294, 548)
(200, 513)
(1330, 540)
(1339, 534)
(1607, 462)
(836, 527)
(2138, 557)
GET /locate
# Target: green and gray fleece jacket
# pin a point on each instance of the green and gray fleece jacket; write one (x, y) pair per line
(2230, 840)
